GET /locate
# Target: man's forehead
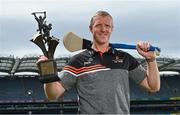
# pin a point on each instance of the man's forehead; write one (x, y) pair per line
(102, 16)
(98, 18)
(103, 19)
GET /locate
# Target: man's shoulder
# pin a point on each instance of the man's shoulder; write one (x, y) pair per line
(79, 55)
(78, 58)
(124, 55)
(120, 52)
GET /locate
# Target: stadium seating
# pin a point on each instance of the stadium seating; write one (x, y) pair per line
(29, 88)
(23, 91)
(169, 89)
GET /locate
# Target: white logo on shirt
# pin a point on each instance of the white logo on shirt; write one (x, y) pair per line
(117, 60)
(88, 62)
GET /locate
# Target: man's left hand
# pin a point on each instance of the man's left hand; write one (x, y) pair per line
(143, 47)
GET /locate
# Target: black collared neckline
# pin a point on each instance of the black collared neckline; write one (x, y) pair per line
(93, 52)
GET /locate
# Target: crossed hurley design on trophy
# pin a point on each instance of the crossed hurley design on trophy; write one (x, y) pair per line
(48, 44)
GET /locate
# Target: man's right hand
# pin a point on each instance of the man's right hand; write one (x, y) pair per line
(41, 59)
(53, 90)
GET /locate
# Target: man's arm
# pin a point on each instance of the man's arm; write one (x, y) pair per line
(152, 80)
(53, 90)
(35, 16)
(44, 16)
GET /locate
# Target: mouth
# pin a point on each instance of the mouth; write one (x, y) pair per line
(103, 35)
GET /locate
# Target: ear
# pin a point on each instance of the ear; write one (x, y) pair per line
(90, 29)
(112, 28)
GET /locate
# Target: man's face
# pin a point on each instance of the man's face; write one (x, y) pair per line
(102, 29)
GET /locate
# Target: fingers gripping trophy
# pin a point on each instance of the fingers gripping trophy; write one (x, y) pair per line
(48, 44)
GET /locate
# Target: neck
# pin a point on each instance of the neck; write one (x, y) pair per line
(100, 47)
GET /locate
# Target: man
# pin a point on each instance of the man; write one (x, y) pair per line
(40, 21)
(101, 74)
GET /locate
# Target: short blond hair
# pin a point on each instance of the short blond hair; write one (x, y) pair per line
(100, 13)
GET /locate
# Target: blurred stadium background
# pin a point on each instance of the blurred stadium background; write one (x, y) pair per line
(21, 91)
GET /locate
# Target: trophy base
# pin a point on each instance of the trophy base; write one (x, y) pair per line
(48, 71)
(48, 78)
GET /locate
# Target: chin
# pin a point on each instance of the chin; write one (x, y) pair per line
(103, 42)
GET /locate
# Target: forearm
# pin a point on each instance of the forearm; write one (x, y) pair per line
(153, 77)
(53, 90)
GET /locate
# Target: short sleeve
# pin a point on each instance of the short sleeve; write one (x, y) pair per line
(136, 71)
(67, 79)
(69, 75)
(137, 74)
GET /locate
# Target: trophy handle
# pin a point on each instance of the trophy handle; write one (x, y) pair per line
(52, 47)
(38, 40)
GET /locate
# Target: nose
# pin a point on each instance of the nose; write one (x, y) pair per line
(103, 28)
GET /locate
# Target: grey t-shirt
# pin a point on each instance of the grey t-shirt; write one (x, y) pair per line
(102, 80)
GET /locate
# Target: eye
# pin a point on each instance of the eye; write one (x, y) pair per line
(107, 26)
(98, 25)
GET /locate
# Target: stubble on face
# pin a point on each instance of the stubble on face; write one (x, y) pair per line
(102, 29)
